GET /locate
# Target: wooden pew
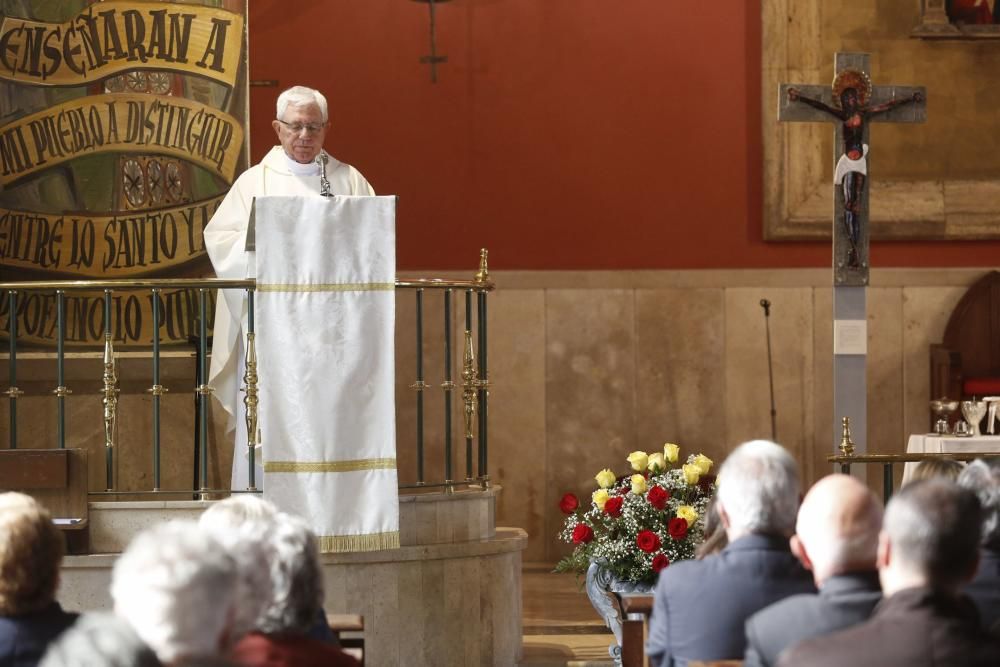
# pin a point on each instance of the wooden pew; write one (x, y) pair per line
(637, 609)
(56, 478)
(353, 623)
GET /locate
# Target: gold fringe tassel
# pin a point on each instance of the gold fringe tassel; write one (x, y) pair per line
(338, 544)
(352, 465)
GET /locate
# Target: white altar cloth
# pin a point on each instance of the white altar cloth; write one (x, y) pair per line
(935, 444)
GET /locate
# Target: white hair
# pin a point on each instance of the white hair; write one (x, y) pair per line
(242, 524)
(99, 638)
(300, 96)
(933, 527)
(838, 523)
(759, 489)
(983, 478)
(296, 579)
(176, 585)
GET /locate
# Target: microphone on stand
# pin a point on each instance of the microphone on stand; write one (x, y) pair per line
(766, 305)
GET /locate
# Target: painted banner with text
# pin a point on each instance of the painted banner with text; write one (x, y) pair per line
(123, 127)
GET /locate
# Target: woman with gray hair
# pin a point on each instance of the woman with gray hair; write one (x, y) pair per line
(297, 594)
(983, 478)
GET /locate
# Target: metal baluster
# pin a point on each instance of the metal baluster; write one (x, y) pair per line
(448, 387)
(419, 386)
(887, 481)
(157, 390)
(483, 391)
(12, 391)
(250, 398)
(203, 390)
(61, 391)
(110, 400)
(468, 384)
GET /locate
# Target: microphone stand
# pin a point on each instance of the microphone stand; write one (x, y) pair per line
(766, 305)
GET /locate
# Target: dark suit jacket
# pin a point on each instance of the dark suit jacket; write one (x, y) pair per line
(844, 600)
(916, 627)
(985, 588)
(23, 639)
(700, 606)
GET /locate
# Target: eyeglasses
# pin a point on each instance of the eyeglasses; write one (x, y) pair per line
(295, 128)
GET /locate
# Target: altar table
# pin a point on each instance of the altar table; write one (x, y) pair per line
(948, 444)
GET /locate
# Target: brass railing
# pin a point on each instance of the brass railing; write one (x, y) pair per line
(474, 374)
(887, 461)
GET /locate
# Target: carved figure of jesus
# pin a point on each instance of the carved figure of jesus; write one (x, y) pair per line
(852, 90)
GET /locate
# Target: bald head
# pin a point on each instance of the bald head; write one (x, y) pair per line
(837, 527)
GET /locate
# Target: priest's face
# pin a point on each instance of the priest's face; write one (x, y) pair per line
(301, 132)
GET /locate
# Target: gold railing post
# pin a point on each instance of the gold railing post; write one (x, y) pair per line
(110, 403)
(250, 400)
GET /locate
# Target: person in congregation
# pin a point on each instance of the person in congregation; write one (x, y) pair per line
(31, 550)
(176, 586)
(281, 638)
(928, 549)
(836, 536)
(983, 478)
(298, 166)
(700, 606)
(944, 468)
(100, 639)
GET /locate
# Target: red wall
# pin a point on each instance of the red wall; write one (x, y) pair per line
(562, 134)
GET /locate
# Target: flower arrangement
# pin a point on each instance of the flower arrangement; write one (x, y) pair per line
(638, 524)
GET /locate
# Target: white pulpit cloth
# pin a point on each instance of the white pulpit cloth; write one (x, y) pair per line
(325, 314)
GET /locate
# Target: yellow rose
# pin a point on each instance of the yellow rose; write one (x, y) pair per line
(703, 462)
(605, 479)
(656, 462)
(688, 513)
(638, 461)
(671, 451)
(600, 497)
(638, 484)
(692, 473)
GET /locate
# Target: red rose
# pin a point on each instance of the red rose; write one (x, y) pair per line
(648, 541)
(678, 528)
(582, 533)
(658, 497)
(613, 506)
(659, 562)
(569, 503)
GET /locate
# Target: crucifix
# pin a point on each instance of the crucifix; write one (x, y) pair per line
(851, 103)
(433, 59)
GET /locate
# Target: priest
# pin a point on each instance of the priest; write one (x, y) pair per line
(299, 166)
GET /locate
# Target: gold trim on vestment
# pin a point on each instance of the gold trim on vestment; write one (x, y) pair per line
(348, 543)
(351, 465)
(326, 287)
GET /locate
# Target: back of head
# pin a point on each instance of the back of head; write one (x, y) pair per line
(759, 489)
(838, 526)
(176, 585)
(31, 549)
(928, 468)
(933, 528)
(983, 478)
(242, 524)
(99, 640)
(296, 579)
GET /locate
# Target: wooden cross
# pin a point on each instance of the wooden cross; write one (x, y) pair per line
(851, 103)
(433, 59)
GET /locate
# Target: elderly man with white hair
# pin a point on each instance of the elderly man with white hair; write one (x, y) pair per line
(176, 586)
(298, 166)
(983, 478)
(701, 606)
(281, 638)
(928, 549)
(836, 536)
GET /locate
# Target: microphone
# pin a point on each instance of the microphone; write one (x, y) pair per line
(324, 182)
(766, 305)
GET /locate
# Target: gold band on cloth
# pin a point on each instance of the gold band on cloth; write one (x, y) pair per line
(351, 465)
(348, 543)
(326, 287)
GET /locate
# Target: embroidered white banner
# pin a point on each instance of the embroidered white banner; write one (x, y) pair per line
(325, 311)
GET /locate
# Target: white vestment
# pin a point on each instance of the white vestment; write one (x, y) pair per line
(225, 242)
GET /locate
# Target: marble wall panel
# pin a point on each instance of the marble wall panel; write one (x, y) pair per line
(815, 465)
(589, 393)
(517, 438)
(747, 402)
(885, 381)
(680, 370)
